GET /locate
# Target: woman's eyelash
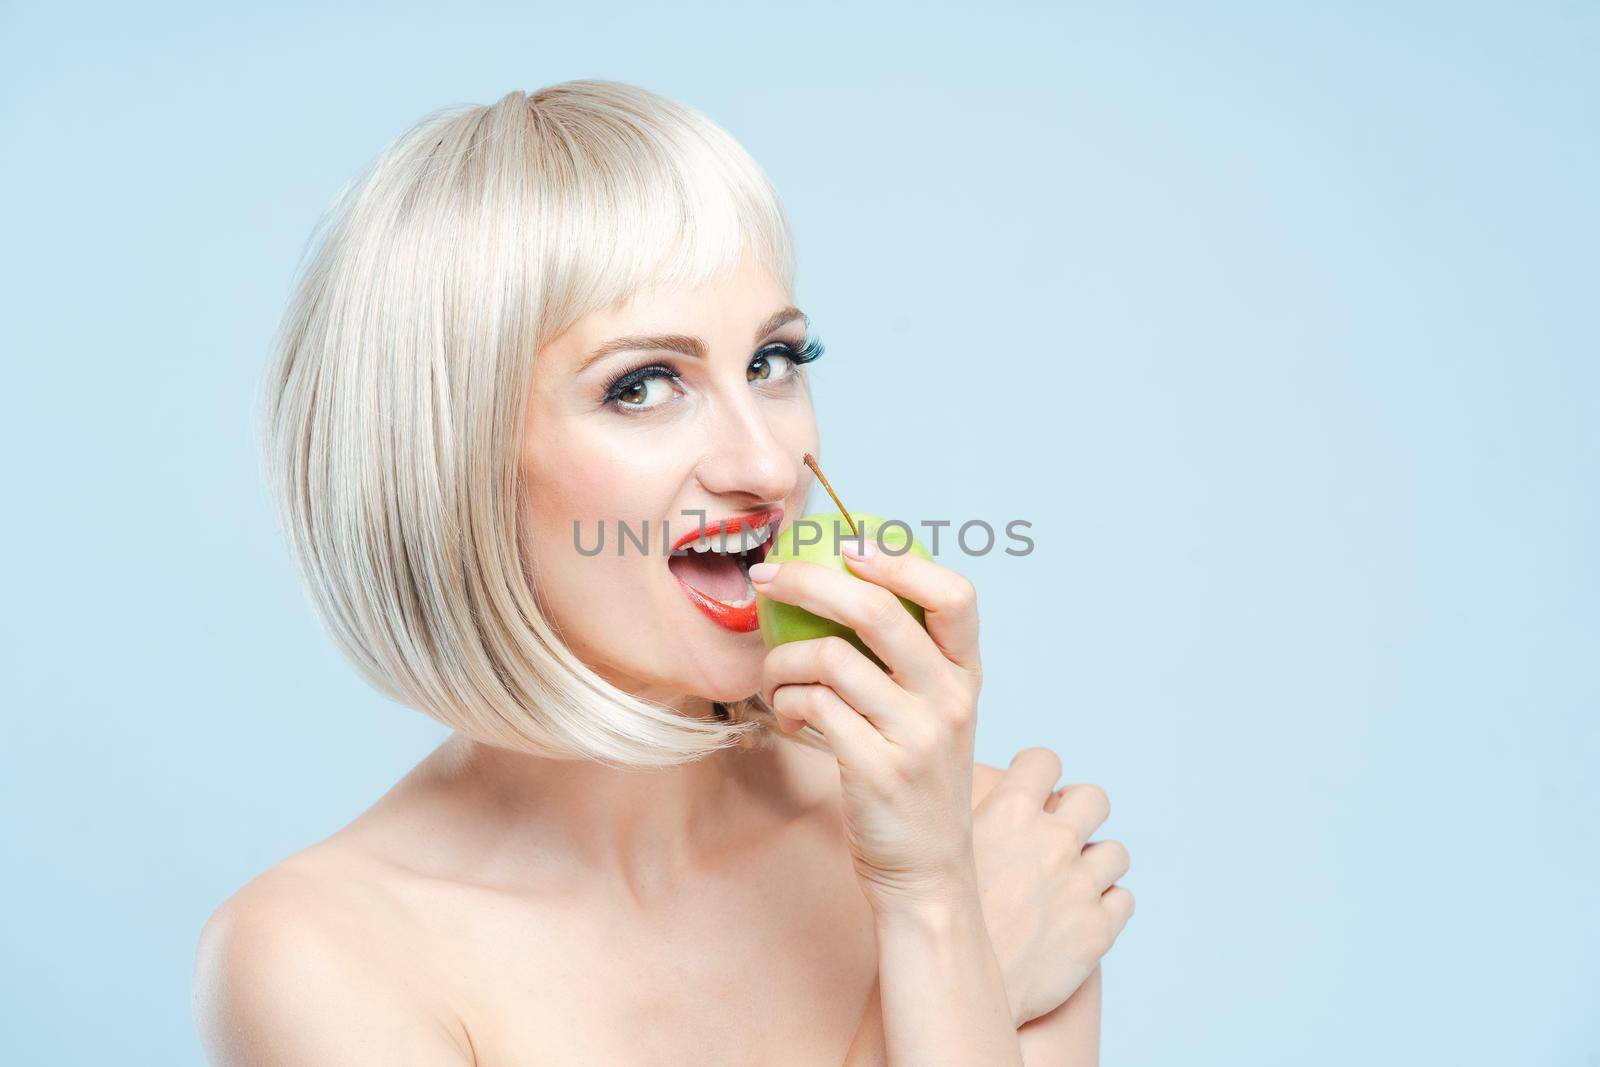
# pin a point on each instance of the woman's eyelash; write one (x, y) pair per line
(811, 348)
(629, 378)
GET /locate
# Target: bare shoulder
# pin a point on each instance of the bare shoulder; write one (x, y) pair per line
(300, 966)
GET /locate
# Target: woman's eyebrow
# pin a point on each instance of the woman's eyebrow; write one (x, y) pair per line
(688, 346)
(780, 318)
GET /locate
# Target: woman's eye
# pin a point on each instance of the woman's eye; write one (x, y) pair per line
(644, 391)
(770, 366)
(645, 394)
(779, 362)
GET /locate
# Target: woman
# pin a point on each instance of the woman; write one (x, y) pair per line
(649, 840)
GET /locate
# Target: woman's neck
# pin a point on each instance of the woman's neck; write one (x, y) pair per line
(516, 818)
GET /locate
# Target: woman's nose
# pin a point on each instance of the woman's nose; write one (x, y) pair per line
(746, 455)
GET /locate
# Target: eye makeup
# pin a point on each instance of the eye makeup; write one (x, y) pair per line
(809, 350)
(635, 376)
(621, 384)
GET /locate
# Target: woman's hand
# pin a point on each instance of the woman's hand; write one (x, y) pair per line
(903, 738)
(1049, 899)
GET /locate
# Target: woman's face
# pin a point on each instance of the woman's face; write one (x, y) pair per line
(669, 415)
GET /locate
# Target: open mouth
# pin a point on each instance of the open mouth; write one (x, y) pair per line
(712, 567)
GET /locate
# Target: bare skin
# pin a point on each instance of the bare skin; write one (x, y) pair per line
(757, 947)
(497, 908)
(417, 917)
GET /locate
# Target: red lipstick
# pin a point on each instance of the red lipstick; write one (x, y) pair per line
(721, 604)
(733, 523)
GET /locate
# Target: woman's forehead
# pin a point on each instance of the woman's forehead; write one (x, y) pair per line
(736, 308)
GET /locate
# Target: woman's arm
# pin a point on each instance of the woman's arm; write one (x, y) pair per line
(903, 740)
(941, 994)
(1069, 1036)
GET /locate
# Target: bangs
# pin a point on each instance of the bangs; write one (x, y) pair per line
(628, 201)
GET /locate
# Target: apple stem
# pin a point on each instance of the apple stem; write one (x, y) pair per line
(811, 461)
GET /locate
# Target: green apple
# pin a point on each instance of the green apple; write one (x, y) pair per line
(817, 539)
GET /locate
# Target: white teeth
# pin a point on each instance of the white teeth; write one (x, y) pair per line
(726, 544)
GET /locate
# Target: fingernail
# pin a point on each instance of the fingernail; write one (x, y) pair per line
(763, 572)
(858, 549)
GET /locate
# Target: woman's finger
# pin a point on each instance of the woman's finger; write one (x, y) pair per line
(949, 599)
(1033, 773)
(839, 665)
(872, 611)
(1083, 807)
(853, 740)
(1118, 902)
(1104, 862)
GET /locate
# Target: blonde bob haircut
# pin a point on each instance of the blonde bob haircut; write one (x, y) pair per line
(393, 403)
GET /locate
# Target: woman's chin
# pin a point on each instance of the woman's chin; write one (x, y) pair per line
(725, 668)
(731, 693)
(733, 686)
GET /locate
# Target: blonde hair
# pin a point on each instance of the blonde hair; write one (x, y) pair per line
(393, 402)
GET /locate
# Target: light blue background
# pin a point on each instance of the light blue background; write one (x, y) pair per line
(1277, 321)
